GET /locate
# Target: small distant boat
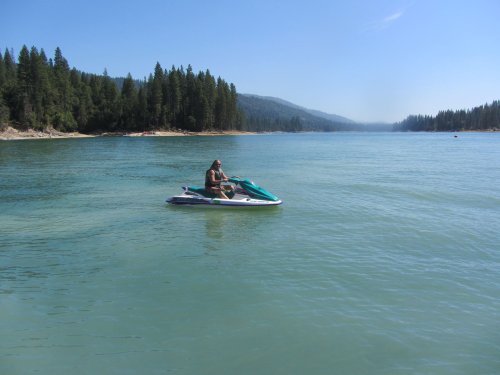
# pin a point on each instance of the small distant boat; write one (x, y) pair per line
(244, 193)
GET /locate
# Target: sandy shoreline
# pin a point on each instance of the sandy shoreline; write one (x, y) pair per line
(11, 134)
(180, 133)
(14, 134)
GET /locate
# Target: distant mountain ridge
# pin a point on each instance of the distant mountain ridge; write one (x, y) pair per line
(327, 116)
(276, 114)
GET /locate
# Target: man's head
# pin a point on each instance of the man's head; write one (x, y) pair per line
(216, 164)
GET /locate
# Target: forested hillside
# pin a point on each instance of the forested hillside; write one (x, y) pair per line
(37, 92)
(279, 114)
(313, 112)
(485, 117)
(262, 113)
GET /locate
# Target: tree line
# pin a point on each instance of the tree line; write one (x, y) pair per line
(485, 117)
(37, 92)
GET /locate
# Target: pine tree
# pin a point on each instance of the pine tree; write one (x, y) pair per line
(10, 67)
(210, 92)
(129, 102)
(63, 118)
(85, 110)
(165, 107)
(2, 73)
(189, 100)
(221, 105)
(174, 97)
(201, 112)
(4, 110)
(24, 109)
(142, 110)
(40, 95)
(9, 89)
(155, 86)
(233, 109)
(45, 90)
(110, 105)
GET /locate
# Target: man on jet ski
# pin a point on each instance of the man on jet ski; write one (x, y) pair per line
(213, 179)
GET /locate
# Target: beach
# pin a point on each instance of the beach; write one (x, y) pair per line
(180, 133)
(11, 133)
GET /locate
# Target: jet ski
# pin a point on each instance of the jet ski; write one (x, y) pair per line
(244, 193)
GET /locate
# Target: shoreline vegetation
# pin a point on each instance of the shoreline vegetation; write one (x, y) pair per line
(12, 134)
(37, 92)
(56, 101)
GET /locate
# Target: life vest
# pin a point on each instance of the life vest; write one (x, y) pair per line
(208, 182)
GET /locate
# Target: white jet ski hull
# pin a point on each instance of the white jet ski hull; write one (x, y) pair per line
(185, 199)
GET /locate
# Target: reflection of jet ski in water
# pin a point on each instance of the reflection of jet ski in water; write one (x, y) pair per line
(244, 193)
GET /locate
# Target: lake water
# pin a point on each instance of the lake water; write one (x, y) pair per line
(383, 259)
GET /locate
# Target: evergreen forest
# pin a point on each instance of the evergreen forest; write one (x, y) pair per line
(485, 117)
(37, 92)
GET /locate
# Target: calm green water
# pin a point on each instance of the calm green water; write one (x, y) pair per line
(383, 259)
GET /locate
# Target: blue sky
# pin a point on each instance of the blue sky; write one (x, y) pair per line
(365, 60)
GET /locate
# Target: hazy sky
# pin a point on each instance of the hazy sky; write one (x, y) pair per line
(367, 60)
